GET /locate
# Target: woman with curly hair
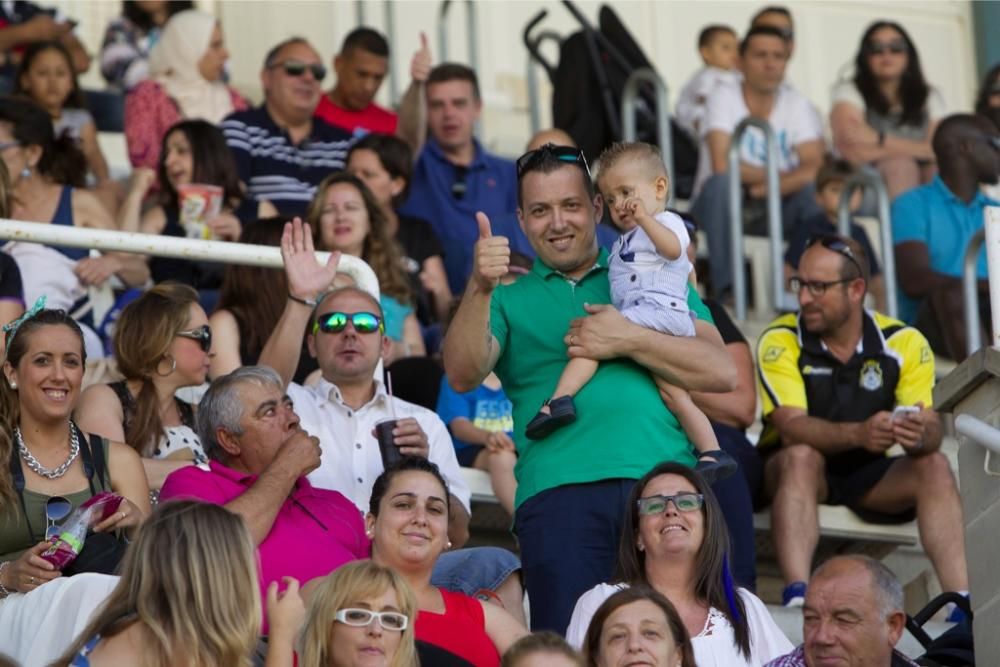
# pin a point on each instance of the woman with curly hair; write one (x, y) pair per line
(344, 216)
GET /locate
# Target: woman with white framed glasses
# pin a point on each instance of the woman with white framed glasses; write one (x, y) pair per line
(361, 614)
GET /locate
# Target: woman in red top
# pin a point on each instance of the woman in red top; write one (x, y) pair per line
(408, 526)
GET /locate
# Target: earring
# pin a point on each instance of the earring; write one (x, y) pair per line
(370, 534)
(640, 547)
(13, 385)
(173, 366)
(449, 545)
(26, 172)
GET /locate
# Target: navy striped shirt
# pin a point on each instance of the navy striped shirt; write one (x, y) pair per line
(275, 169)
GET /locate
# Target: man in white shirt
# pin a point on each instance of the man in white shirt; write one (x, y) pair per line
(343, 408)
(799, 131)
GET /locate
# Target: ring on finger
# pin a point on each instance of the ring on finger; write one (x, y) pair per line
(32, 580)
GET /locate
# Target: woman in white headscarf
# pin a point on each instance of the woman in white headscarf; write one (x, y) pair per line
(186, 82)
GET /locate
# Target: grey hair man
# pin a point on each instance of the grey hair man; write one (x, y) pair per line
(853, 615)
(260, 459)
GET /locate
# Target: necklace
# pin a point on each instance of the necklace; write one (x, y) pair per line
(38, 468)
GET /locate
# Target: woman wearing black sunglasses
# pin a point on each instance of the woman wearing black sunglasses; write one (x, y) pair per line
(885, 116)
(162, 344)
(49, 465)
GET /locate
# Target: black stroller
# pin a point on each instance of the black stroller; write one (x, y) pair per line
(588, 83)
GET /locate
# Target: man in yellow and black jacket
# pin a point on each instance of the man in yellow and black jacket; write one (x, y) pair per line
(840, 385)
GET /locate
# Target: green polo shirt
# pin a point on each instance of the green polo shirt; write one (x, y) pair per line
(622, 428)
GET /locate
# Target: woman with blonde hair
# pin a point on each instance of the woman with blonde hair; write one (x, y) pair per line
(361, 610)
(344, 216)
(162, 343)
(187, 595)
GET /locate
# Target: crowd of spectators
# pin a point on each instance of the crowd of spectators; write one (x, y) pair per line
(300, 512)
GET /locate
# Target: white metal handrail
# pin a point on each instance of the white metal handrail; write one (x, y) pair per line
(629, 131)
(171, 246)
(970, 292)
(869, 178)
(774, 228)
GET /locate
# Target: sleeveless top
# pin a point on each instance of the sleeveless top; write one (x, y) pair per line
(23, 523)
(456, 638)
(64, 216)
(175, 439)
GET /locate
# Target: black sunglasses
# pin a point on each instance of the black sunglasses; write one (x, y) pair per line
(567, 154)
(57, 508)
(897, 46)
(202, 334)
(298, 68)
(837, 245)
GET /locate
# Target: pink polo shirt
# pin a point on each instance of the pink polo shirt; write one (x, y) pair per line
(316, 530)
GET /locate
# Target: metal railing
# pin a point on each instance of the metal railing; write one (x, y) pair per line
(535, 58)
(869, 178)
(176, 247)
(970, 292)
(629, 131)
(781, 299)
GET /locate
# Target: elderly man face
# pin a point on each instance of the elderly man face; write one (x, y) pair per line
(268, 420)
(293, 96)
(845, 620)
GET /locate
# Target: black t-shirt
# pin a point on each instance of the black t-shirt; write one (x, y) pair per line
(727, 328)
(419, 243)
(10, 279)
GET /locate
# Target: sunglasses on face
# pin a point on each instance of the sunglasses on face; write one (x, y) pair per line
(203, 335)
(684, 502)
(566, 154)
(360, 618)
(298, 68)
(57, 508)
(336, 322)
(896, 47)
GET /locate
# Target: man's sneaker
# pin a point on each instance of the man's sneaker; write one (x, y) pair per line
(794, 594)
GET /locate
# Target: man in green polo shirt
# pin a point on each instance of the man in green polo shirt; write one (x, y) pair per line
(573, 484)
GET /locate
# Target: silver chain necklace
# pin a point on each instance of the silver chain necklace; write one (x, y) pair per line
(38, 468)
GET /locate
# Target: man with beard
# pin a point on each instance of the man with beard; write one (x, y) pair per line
(840, 385)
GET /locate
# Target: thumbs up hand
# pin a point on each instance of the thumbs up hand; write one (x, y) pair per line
(491, 256)
(420, 65)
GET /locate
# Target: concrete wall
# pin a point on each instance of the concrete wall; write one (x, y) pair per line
(827, 37)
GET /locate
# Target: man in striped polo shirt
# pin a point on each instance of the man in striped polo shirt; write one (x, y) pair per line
(282, 152)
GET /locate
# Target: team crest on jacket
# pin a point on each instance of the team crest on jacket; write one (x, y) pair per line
(871, 375)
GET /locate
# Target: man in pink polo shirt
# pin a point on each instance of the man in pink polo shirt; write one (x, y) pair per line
(260, 459)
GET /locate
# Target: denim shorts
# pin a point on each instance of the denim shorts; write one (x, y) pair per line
(475, 569)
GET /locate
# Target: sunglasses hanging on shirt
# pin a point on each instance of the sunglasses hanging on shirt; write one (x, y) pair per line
(459, 186)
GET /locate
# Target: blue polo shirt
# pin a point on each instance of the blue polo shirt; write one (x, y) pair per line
(274, 168)
(934, 216)
(490, 186)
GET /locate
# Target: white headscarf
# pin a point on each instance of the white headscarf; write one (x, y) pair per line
(173, 63)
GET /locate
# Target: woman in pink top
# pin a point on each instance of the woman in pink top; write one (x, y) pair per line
(186, 82)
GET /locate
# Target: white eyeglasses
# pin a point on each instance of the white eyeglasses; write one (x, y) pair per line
(359, 618)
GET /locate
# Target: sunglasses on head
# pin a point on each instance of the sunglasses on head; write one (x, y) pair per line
(360, 618)
(684, 502)
(837, 245)
(203, 335)
(298, 68)
(566, 154)
(896, 46)
(336, 322)
(57, 508)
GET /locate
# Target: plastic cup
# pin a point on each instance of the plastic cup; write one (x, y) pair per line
(387, 443)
